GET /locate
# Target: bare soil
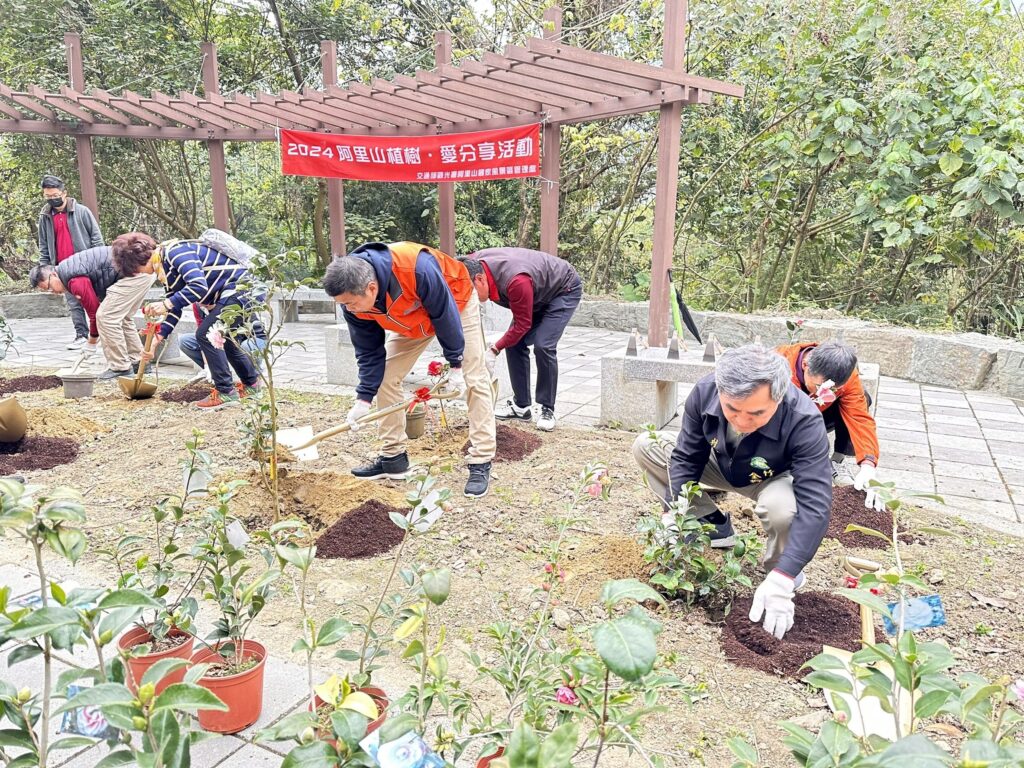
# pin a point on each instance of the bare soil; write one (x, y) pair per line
(187, 393)
(32, 383)
(512, 444)
(364, 531)
(62, 421)
(36, 453)
(848, 508)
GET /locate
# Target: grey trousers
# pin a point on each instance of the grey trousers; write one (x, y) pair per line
(774, 500)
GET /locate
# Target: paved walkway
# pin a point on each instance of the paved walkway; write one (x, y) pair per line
(960, 445)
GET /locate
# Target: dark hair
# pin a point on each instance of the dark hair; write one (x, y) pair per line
(473, 266)
(348, 274)
(130, 252)
(832, 360)
(51, 182)
(38, 274)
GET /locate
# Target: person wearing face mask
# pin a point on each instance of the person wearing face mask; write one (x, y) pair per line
(748, 430)
(66, 227)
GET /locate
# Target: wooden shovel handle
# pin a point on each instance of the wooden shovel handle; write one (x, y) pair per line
(150, 333)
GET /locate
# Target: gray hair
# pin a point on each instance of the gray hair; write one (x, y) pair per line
(38, 274)
(473, 266)
(832, 360)
(742, 370)
(348, 274)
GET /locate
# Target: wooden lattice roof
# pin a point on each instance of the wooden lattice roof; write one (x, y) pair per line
(543, 80)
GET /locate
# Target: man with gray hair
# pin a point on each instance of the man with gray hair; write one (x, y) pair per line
(748, 430)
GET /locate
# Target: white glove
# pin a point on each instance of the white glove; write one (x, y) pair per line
(862, 482)
(774, 599)
(356, 412)
(490, 360)
(456, 381)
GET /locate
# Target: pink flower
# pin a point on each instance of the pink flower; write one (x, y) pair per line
(1017, 689)
(566, 695)
(216, 335)
(435, 368)
(594, 490)
(798, 323)
(825, 395)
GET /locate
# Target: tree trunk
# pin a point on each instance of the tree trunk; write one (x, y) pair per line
(801, 237)
(857, 287)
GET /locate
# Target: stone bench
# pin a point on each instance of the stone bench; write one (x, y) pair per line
(168, 350)
(303, 301)
(20, 306)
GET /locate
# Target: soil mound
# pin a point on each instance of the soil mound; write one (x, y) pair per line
(61, 422)
(189, 393)
(821, 619)
(595, 560)
(363, 532)
(29, 384)
(36, 453)
(512, 444)
(848, 507)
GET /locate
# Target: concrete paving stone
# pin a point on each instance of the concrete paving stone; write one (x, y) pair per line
(916, 424)
(986, 512)
(1004, 435)
(1010, 462)
(578, 398)
(579, 421)
(1001, 448)
(945, 418)
(956, 469)
(945, 409)
(904, 463)
(981, 458)
(894, 406)
(284, 689)
(891, 397)
(252, 756)
(938, 389)
(908, 449)
(1000, 421)
(974, 488)
(1012, 477)
(956, 429)
(939, 397)
(20, 580)
(954, 441)
(902, 435)
(923, 482)
(86, 758)
(984, 397)
(1019, 510)
(590, 410)
(213, 750)
(996, 412)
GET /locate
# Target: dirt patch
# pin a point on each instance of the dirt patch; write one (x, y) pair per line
(594, 560)
(36, 453)
(61, 422)
(190, 393)
(821, 619)
(513, 444)
(319, 498)
(848, 507)
(29, 384)
(364, 531)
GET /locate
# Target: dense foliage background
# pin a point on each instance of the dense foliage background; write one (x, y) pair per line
(876, 165)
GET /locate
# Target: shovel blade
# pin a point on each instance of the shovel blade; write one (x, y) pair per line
(290, 438)
(136, 390)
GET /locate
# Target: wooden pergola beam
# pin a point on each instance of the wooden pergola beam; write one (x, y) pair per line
(335, 187)
(98, 107)
(338, 98)
(599, 80)
(129, 108)
(222, 218)
(10, 111)
(518, 72)
(499, 103)
(83, 144)
(441, 108)
(231, 111)
(551, 157)
(108, 130)
(69, 106)
(23, 100)
(358, 93)
(334, 120)
(472, 74)
(164, 110)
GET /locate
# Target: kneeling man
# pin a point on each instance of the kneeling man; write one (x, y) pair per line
(748, 430)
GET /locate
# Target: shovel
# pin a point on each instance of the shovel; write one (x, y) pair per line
(301, 441)
(134, 387)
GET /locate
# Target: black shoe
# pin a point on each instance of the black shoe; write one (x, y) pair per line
(722, 537)
(394, 467)
(135, 367)
(108, 374)
(479, 480)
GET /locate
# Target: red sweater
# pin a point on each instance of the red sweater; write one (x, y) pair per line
(62, 236)
(520, 301)
(81, 288)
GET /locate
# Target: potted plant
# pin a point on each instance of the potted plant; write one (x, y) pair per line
(235, 663)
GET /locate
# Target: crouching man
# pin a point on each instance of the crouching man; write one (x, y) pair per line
(415, 292)
(748, 430)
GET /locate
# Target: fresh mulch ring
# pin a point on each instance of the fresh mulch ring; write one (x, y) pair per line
(29, 384)
(848, 507)
(190, 393)
(36, 453)
(513, 444)
(821, 619)
(362, 532)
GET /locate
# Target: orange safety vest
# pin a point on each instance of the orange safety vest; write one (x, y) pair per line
(404, 314)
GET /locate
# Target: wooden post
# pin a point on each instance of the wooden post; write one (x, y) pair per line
(218, 167)
(446, 191)
(551, 160)
(335, 187)
(83, 144)
(666, 187)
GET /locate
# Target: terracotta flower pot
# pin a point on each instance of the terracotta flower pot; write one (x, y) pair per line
(379, 698)
(137, 665)
(242, 692)
(484, 762)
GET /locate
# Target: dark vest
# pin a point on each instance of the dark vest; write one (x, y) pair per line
(551, 275)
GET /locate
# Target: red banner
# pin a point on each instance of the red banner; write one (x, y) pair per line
(507, 153)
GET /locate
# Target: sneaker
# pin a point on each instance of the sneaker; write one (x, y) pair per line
(799, 581)
(842, 474)
(723, 537)
(546, 422)
(394, 467)
(509, 410)
(217, 400)
(90, 349)
(109, 374)
(203, 375)
(244, 391)
(78, 343)
(479, 480)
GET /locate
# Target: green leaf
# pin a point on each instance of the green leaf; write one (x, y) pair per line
(316, 754)
(11, 737)
(73, 742)
(929, 704)
(162, 669)
(558, 748)
(915, 752)
(523, 748)
(744, 751)
(69, 543)
(127, 598)
(98, 696)
(626, 646)
(349, 726)
(23, 653)
(614, 592)
(437, 585)
(42, 621)
(399, 519)
(867, 532)
(829, 681)
(950, 163)
(114, 759)
(394, 727)
(874, 602)
(187, 697)
(332, 631)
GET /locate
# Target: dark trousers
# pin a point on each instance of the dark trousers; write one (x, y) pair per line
(549, 323)
(219, 360)
(834, 423)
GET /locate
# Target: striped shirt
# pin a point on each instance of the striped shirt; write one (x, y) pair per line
(197, 274)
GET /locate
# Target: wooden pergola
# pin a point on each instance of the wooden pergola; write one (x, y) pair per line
(542, 81)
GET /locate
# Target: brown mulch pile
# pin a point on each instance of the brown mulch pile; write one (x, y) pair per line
(361, 532)
(36, 453)
(29, 384)
(513, 444)
(848, 507)
(821, 619)
(190, 393)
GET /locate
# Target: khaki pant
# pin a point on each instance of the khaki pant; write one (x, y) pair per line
(114, 320)
(402, 354)
(774, 500)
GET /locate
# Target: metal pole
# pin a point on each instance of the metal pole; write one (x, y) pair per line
(83, 144)
(666, 187)
(551, 161)
(335, 187)
(218, 167)
(446, 191)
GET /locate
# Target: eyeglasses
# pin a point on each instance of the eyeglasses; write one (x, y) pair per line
(49, 277)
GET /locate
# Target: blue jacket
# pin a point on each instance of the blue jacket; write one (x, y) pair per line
(433, 292)
(197, 274)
